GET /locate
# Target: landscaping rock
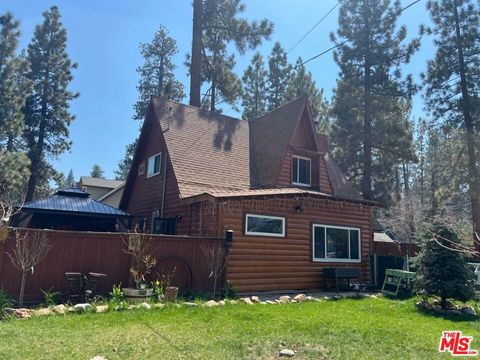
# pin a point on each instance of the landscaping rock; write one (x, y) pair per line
(263, 302)
(82, 307)
(20, 313)
(270, 302)
(469, 310)
(300, 297)
(191, 304)
(327, 298)
(60, 309)
(293, 301)
(159, 305)
(211, 303)
(221, 302)
(98, 358)
(455, 312)
(43, 312)
(101, 308)
(286, 353)
(246, 300)
(233, 302)
(255, 299)
(145, 306)
(337, 297)
(284, 299)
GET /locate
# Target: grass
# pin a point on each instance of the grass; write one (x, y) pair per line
(345, 329)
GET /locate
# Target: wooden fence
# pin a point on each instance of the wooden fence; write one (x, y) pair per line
(104, 253)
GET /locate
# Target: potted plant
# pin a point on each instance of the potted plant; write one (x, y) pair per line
(137, 247)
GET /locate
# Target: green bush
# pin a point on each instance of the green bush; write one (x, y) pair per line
(230, 291)
(441, 271)
(50, 297)
(117, 299)
(5, 302)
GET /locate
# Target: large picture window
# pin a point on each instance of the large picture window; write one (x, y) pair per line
(264, 225)
(154, 165)
(335, 243)
(301, 171)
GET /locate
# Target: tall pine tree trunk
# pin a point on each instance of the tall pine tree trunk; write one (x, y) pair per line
(196, 60)
(367, 115)
(473, 175)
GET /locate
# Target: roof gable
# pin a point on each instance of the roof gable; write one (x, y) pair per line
(270, 136)
(206, 150)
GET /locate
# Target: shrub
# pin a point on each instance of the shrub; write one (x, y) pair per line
(50, 297)
(5, 302)
(230, 291)
(442, 271)
(117, 299)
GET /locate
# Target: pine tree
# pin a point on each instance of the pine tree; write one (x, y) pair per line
(156, 74)
(453, 82)
(97, 172)
(301, 83)
(278, 77)
(254, 88)
(13, 89)
(440, 271)
(369, 58)
(47, 115)
(70, 180)
(221, 26)
(124, 165)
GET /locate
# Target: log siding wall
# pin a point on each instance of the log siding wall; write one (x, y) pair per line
(259, 263)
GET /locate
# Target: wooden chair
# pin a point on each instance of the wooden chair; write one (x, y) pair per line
(75, 286)
(91, 282)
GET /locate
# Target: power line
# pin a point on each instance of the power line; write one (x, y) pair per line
(345, 41)
(313, 27)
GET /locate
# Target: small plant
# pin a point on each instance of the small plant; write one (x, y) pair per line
(117, 299)
(137, 247)
(230, 291)
(50, 297)
(166, 278)
(157, 290)
(5, 302)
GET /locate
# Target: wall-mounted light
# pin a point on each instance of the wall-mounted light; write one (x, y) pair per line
(299, 208)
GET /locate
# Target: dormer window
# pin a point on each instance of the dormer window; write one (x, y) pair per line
(301, 172)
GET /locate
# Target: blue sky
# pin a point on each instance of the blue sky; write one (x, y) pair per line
(103, 38)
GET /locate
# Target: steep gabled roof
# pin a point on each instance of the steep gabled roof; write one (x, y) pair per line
(270, 136)
(206, 150)
(341, 187)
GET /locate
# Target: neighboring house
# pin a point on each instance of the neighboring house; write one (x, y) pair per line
(71, 209)
(98, 188)
(114, 196)
(270, 180)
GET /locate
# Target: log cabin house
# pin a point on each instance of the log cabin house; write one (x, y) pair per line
(271, 180)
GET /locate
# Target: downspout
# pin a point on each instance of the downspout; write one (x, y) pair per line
(164, 185)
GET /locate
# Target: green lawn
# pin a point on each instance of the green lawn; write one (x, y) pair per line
(345, 329)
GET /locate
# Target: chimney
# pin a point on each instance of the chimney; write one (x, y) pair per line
(322, 142)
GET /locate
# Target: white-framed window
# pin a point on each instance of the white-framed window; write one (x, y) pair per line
(141, 168)
(154, 165)
(301, 171)
(335, 243)
(264, 225)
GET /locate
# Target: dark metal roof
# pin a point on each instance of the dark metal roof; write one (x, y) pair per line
(73, 201)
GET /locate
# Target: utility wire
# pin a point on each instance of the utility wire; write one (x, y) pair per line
(345, 41)
(313, 27)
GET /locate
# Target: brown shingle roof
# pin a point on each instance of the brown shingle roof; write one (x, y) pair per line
(341, 187)
(207, 150)
(222, 156)
(270, 135)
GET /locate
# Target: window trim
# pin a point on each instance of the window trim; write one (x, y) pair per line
(159, 165)
(298, 171)
(337, 260)
(255, 233)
